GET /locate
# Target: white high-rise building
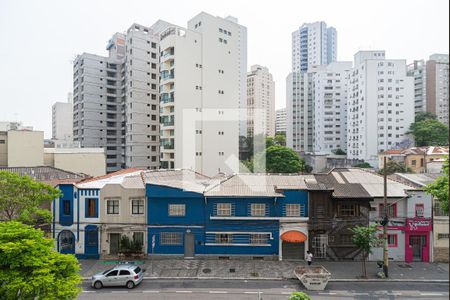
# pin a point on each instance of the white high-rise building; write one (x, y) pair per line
(116, 100)
(330, 107)
(313, 44)
(299, 111)
(380, 105)
(280, 121)
(62, 120)
(437, 86)
(260, 102)
(203, 85)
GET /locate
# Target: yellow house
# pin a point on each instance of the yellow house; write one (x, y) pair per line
(418, 159)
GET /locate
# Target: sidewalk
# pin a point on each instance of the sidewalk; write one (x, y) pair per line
(259, 269)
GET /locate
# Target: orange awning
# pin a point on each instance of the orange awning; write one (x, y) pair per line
(293, 237)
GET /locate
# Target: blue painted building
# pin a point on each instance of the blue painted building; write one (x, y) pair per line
(240, 215)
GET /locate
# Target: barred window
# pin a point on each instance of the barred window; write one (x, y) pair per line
(177, 210)
(137, 206)
(170, 238)
(224, 238)
(295, 210)
(258, 209)
(347, 210)
(259, 239)
(224, 209)
(442, 236)
(112, 207)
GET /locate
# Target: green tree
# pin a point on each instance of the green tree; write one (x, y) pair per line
(338, 151)
(439, 188)
(279, 159)
(421, 116)
(299, 296)
(364, 165)
(21, 198)
(31, 269)
(429, 132)
(393, 166)
(364, 237)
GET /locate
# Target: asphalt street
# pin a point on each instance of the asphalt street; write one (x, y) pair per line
(265, 290)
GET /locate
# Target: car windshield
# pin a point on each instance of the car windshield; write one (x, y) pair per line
(137, 270)
(106, 271)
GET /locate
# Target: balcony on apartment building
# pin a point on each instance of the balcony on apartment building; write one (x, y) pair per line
(167, 98)
(167, 144)
(167, 120)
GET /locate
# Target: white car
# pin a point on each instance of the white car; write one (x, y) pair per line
(121, 275)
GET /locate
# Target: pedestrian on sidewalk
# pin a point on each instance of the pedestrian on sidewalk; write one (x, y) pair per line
(309, 257)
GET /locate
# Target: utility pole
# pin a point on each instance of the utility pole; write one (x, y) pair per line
(385, 223)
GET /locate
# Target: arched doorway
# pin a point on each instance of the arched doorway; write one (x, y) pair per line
(66, 242)
(293, 245)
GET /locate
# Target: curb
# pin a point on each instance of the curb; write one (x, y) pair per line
(279, 279)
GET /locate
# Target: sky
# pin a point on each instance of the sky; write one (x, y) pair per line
(41, 38)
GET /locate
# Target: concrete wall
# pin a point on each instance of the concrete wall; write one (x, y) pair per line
(440, 245)
(90, 163)
(25, 148)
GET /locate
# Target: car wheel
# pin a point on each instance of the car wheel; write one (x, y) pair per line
(98, 285)
(130, 284)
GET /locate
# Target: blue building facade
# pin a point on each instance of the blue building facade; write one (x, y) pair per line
(189, 223)
(76, 221)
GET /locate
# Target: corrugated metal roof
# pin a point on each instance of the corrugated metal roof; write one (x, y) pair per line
(49, 175)
(112, 178)
(184, 179)
(259, 185)
(418, 179)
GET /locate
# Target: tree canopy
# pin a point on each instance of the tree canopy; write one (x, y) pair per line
(365, 165)
(428, 131)
(424, 115)
(393, 166)
(21, 199)
(364, 237)
(275, 158)
(439, 188)
(31, 269)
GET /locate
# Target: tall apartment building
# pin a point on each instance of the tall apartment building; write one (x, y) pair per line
(330, 107)
(380, 105)
(203, 85)
(260, 102)
(116, 100)
(280, 120)
(313, 44)
(417, 70)
(300, 111)
(62, 120)
(437, 86)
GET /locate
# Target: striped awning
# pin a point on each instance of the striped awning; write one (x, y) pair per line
(294, 237)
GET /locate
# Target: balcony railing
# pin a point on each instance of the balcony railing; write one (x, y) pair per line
(165, 98)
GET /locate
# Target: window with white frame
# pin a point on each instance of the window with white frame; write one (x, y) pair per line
(294, 210)
(258, 209)
(112, 207)
(224, 238)
(259, 239)
(170, 238)
(177, 210)
(137, 206)
(224, 209)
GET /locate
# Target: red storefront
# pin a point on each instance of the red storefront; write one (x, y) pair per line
(417, 239)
